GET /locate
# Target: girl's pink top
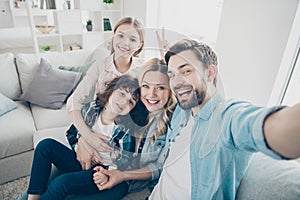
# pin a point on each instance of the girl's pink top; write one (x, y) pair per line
(96, 77)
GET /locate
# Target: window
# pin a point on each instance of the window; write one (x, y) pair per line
(291, 94)
(286, 89)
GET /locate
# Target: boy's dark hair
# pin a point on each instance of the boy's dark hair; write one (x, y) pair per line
(138, 115)
(125, 82)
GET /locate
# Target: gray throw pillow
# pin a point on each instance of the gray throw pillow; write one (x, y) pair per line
(50, 87)
(6, 104)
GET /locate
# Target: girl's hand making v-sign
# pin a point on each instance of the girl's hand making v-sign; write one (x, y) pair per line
(163, 44)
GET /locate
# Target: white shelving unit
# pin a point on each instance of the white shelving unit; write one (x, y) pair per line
(97, 11)
(69, 27)
(70, 24)
(40, 16)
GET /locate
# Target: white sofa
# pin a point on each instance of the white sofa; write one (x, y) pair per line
(23, 127)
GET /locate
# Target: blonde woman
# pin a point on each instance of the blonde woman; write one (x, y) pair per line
(150, 151)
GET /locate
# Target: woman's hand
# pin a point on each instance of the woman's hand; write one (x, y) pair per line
(99, 178)
(114, 178)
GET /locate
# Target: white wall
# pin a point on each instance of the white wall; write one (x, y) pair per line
(149, 11)
(196, 18)
(250, 45)
(177, 17)
(136, 8)
(6, 17)
(146, 10)
(251, 40)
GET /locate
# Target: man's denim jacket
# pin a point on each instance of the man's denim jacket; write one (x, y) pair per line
(224, 136)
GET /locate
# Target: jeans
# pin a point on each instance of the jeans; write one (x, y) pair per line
(73, 179)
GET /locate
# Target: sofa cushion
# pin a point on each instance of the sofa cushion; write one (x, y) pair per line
(14, 167)
(50, 87)
(98, 53)
(6, 104)
(78, 68)
(267, 178)
(9, 81)
(54, 133)
(48, 118)
(16, 130)
(28, 64)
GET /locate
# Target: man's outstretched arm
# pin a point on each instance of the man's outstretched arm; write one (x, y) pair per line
(282, 131)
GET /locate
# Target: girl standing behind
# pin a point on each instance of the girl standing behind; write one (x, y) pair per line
(127, 43)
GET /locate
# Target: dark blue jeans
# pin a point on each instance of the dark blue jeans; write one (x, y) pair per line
(73, 180)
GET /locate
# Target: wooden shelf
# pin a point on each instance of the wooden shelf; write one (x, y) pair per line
(70, 24)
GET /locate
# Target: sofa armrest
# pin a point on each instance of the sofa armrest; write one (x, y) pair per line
(267, 178)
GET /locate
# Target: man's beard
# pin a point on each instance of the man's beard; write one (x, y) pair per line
(197, 99)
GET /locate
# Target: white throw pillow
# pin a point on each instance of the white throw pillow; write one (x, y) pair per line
(9, 81)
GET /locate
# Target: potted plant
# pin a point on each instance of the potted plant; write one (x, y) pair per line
(46, 48)
(108, 1)
(89, 25)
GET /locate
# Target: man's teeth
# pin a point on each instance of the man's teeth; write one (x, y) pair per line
(183, 92)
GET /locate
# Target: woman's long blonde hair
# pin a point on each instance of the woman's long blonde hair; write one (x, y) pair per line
(164, 115)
